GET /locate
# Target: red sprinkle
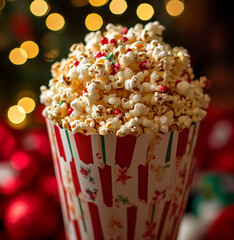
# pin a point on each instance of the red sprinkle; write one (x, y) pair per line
(104, 40)
(176, 83)
(128, 50)
(113, 41)
(125, 30)
(164, 89)
(124, 39)
(76, 63)
(83, 92)
(143, 65)
(100, 54)
(116, 66)
(208, 84)
(117, 111)
(70, 110)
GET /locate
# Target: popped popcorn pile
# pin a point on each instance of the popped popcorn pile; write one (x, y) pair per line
(125, 81)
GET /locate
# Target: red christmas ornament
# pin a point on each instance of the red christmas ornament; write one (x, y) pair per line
(223, 226)
(30, 216)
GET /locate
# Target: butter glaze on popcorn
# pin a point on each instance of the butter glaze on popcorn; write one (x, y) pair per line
(125, 82)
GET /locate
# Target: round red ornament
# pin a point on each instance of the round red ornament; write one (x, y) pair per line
(30, 216)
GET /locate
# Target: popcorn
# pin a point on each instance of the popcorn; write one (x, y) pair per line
(125, 82)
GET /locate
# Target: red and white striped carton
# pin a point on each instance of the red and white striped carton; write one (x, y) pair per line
(123, 188)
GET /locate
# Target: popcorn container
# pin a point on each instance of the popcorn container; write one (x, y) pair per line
(123, 188)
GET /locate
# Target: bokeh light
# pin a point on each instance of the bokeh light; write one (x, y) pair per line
(16, 114)
(98, 3)
(28, 104)
(2, 4)
(174, 7)
(31, 48)
(39, 8)
(118, 6)
(20, 160)
(51, 54)
(18, 56)
(145, 11)
(55, 21)
(93, 21)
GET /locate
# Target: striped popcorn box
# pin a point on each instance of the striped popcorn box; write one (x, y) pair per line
(123, 188)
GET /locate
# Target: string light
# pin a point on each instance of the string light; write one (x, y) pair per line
(31, 48)
(118, 6)
(93, 21)
(16, 114)
(79, 3)
(39, 8)
(145, 11)
(28, 104)
(98, 3)
(55, 21)
(18, 56)
(174, 7)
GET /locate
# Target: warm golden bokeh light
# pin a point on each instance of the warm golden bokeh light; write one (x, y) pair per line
(145, 11)
(31, 48)
(39, 8)
(16, 114)
(51, 54)
(98, 3)
(18, 56)
(28, 104)
(174, 7)
(118, 6)
(55, 21)
(93, 21)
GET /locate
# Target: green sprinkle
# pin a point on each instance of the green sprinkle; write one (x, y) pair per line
(120, 45)
(61, 102)
(110, 57)
(113, 62)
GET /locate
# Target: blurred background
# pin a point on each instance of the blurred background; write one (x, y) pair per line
(34, 34)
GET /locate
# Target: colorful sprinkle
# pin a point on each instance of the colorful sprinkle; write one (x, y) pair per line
(164, 89)
(76, 63)
(113, 41)
(70, 110)
(100, 54)
(124, 39)
(83, 92)
(117, 111)
(104, 41)
(125, 30)
(128, 50)
(110, 57)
